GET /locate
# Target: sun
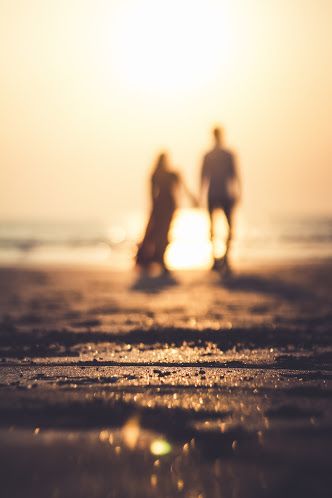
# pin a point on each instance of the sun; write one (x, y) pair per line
(189, 246)
(170, 46)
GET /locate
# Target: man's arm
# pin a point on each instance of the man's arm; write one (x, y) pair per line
(236, 178)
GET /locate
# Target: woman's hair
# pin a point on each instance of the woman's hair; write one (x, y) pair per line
(161, 162)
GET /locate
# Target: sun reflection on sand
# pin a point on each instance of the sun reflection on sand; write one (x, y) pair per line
(131, 432)
(160, 447)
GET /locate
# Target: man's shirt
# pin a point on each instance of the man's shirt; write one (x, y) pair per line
(219, 171)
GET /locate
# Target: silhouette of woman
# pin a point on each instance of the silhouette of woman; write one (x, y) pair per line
(164, 186)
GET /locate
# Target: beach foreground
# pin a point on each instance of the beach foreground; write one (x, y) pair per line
(114, 385)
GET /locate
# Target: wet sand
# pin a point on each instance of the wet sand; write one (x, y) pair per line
(193, 386)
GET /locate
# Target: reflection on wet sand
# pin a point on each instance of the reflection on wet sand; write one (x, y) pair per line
(104, 464)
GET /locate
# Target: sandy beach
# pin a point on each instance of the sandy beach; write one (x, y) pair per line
(115, 385)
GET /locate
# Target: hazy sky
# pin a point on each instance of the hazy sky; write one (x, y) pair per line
(91, 90)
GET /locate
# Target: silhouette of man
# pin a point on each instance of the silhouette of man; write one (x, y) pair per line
(220, 178)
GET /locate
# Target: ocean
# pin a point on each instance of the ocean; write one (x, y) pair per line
(113, 245)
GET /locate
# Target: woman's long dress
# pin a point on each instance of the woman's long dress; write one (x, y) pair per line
(152, 248)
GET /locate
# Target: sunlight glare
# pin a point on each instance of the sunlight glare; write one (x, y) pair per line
(190, 246)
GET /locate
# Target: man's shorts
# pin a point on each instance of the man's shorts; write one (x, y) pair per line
(225, 205)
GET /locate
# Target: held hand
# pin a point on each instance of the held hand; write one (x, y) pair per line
(195, 202)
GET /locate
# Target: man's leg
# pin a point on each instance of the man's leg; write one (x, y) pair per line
(217, 260)
(228, 210)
